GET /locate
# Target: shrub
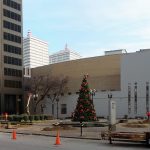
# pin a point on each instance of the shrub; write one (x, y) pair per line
(41, 117)
(47, 117)
(25, 118)
(17, 118)
(31, 118)
(10, 118)
(36, 117)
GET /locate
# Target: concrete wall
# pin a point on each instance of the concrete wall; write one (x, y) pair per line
(100, 105)
(135, 67)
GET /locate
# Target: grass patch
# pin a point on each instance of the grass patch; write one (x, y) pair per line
(137, 124)
(55, 128)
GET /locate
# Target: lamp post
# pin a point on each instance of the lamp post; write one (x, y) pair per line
(92, 92)
(110, 96)
(42, 108)
(109, 109)
(57, 100)
(81, 126)
(35, 97)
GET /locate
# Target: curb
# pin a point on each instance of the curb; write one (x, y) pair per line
(40, 134)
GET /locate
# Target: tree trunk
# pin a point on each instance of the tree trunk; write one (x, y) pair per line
(35, 108)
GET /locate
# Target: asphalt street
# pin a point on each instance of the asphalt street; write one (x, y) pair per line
(31, 142)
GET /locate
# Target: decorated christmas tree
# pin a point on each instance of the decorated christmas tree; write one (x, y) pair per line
(84, 110)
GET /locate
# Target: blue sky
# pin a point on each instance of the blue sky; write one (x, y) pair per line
(89, 27)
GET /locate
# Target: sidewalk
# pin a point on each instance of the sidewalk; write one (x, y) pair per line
(72, 132)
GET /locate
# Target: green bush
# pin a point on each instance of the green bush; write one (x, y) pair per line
(41, 117)
(48, 117)
(25, 118)
(10, 118)
(37, 117)
(45, 117)
(31, 118)
(17, 118)
(1, 117)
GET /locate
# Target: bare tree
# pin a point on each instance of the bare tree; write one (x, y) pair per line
(42, 86)
(59, 90)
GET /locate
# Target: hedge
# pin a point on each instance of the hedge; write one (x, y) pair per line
(26, 118)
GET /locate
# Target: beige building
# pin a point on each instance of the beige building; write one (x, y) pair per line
(104, 72)
(11, 56)
(125, 76)
(104, 76)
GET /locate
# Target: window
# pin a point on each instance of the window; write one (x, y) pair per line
(11, 15)
(12, 72)
(12, 26)
(12, 4)
(12, 84)
(63, 108)
(12, 37)
(12, 49)
(12, 61)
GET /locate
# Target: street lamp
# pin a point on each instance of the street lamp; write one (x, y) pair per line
(109, 109)
(110, 96)
(35, 97)
(81, 126)
(57, 100)
(92, 92)
(42, 108)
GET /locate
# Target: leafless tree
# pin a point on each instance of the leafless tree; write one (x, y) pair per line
(42, 86)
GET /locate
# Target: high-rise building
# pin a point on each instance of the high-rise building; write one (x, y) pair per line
(35, 52)
(63, 55)
(11, 93)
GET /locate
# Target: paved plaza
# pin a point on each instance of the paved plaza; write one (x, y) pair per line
(31, 142)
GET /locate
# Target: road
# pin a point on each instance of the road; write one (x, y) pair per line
(31, 142)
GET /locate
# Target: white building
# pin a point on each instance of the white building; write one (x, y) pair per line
(113, 52)
(35, 52)
(63, 55)
(135, 71)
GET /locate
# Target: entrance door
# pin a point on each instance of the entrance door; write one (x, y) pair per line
(10, 104)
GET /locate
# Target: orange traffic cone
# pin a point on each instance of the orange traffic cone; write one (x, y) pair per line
(14, 135)
(57, 139)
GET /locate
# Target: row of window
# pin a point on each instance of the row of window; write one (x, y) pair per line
(12, 26)
(12, 4)
(12, 72)
(12, 49)
(12, 84)
(12, 15)
(12, 61)
(12, 37)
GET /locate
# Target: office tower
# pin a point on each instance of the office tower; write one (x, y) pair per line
(11, 94)
(35, 52)
(63, 55)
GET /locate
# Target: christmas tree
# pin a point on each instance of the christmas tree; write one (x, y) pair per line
(84, 110)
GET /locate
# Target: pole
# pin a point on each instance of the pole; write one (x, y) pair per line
(109, 109)
(57, 109)
(81, 125)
